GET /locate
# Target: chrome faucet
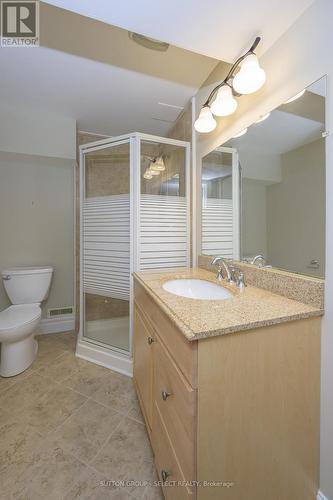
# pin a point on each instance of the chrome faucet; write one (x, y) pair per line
(258, 258)
(222, 263)
(233, 274)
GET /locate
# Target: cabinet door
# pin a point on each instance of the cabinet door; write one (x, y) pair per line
(143, 363)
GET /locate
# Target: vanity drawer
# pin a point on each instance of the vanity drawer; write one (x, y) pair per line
(166, 461)
(176, 401)
(183, 352)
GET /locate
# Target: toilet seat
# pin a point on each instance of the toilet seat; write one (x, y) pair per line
(19, 315)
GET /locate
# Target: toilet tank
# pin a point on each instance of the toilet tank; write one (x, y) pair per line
(27, 285)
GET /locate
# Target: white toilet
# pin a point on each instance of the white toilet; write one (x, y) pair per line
(26, 287)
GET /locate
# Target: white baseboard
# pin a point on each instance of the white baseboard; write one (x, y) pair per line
(56, 325)
(321, 496)
(104, 357)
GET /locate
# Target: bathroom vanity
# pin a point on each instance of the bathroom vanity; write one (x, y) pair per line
(229, 390)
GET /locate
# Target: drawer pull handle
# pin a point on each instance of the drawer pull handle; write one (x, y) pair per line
(164, 475)
(165, 395)
(150, 340)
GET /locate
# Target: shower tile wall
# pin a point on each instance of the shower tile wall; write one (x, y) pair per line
(98, 307)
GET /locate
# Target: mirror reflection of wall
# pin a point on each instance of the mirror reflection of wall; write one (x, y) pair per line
(282, 159)
(217, 207)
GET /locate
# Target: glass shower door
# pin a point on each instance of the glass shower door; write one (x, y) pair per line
(106, 245)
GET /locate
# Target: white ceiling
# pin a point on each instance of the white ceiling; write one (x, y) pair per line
(102, 98)
(280, 133)
(216, 28)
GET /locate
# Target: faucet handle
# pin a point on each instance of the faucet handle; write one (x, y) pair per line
(234, 271)
(237, 276)
(241, 280)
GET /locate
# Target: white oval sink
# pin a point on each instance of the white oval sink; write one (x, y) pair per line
(197, 289)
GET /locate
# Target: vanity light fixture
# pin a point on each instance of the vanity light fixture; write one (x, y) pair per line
(153, 172)
(249, 78)
(262, 118)
(225, 103)
(206, 121)
(147, 175)
(157, 164)
(242, 132)
(297, 96)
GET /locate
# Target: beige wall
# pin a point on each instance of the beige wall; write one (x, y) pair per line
(36, 220)
(35, 132)
(37, 160)
(298, 58)
(296, 211)
(254, 218)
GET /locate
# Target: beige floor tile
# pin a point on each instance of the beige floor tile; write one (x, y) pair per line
(84, 433)
(68, 339)
(127, 456)
(63, 367)
(135, 412)
(19, 452)
(6, 382)
(52, 476)
(87, 379)
(153, 493)
(48, 352)
(50, 430)
(117, 392)
(25, 393)
(93, 486)
(52, 409)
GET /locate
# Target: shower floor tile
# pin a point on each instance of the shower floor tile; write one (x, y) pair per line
(70, 428)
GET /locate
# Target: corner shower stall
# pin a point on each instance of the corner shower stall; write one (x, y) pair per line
(134, 215)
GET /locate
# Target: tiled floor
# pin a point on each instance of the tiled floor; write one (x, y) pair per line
(67, 426)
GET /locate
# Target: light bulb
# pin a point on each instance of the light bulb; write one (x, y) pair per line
(262, 118)
(242, 132)
(297, 96)
(251, 77)
(157, 165)
(205, 122)
(225, 103)
(147, 175)
(153, 172)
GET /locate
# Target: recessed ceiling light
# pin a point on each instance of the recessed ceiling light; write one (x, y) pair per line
(262, 118)
(297, 96)
(148, 43)
(243, 132)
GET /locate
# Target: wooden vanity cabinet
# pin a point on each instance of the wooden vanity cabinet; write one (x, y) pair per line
(144, 338)
(240, 410)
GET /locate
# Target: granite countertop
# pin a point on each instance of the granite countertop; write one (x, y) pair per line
(248, 308)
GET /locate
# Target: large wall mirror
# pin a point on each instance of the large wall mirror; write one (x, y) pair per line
(280, 218)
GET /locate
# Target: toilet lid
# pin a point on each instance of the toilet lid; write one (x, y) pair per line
(15, 316)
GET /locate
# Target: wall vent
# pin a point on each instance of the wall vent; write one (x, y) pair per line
(59, 311)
